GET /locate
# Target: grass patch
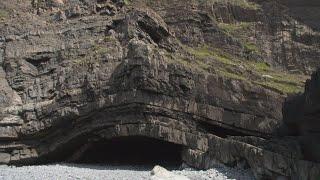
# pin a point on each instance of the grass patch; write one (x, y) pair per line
(234, 28)
(127, 2)
(231, 75)
(282, 81)
(241, 3)
(82, 61)
(260, 66)
(281, 87)
(3, 14)
(100, 50)
(217, 61)
(241, 31)
(250, 46)
(278, 80)
(109, 39)
(177, 59)
(245, 4)
(206, 52)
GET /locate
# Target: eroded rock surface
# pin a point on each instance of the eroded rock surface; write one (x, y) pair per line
(302, 117)
(76, 72)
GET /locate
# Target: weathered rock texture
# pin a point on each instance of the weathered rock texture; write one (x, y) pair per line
(76, 72)
(302, 117)
(282, 33)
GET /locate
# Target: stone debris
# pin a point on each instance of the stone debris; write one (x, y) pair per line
(108, 172)
(160, 173)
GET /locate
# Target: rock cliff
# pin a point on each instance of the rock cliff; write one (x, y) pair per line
(211, 76)
(301, 114)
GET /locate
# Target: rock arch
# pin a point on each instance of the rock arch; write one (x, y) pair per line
(72, 146)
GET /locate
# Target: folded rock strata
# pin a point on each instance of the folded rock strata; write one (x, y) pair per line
(87, 71)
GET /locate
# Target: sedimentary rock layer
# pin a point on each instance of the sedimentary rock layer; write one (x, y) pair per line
(83, 72)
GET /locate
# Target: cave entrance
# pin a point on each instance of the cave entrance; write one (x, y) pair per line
(132, 151)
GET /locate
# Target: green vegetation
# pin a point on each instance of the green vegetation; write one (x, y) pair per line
(241, 3)
(241, 31)
(178, 59)
(206, 52)
(110, 39)
(245, 4)
(100, 50)
(231, 75)
(233, 28)
(82, 61)
(280, 87)
(93, 54)
(249, 46)
(3, 14)
(213, 60)
(127, 2)
(260, 66)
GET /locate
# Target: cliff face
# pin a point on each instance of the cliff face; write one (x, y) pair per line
(284, 34)
(301, 115)
(207, 75)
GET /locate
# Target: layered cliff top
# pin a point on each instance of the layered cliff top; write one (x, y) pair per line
(268, 43)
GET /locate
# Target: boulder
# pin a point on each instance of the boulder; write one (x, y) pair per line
(160, 173)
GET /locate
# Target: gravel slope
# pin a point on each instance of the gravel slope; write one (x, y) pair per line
(76, 171)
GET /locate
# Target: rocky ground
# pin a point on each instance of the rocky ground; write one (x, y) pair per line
(76, 171)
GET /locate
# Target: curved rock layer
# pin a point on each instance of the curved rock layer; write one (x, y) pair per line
(94, 71)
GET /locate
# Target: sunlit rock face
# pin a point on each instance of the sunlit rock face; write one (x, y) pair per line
(77, 77)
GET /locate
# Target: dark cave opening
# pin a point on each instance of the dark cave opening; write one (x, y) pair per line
(131, 151)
